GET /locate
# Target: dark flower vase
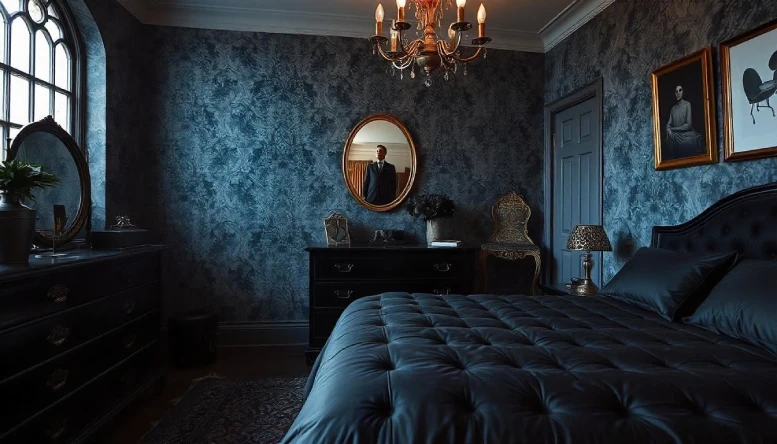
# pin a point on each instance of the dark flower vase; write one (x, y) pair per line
(17, 226)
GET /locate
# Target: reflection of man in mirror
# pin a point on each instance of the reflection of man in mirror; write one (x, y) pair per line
(682, 139)
(380, 181)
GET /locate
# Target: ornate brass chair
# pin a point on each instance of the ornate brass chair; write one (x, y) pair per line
(511, 239)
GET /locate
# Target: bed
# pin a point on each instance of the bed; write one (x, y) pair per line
(402, 368)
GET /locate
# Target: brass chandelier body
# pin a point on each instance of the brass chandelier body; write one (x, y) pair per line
(428, 51)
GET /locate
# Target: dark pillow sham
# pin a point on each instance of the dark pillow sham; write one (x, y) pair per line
(743, 305)
(671, 283)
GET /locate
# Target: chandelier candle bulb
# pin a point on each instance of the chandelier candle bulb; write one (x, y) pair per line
(460, 12)
(482, 21)
(394, 38)
(379, 19)
(401, 10)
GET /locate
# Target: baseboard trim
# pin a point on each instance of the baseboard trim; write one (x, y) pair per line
(252, 334)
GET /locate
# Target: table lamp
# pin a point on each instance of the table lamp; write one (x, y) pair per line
(588, 238)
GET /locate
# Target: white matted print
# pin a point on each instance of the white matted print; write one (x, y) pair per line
(749, 69)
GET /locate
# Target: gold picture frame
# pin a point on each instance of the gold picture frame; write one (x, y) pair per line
(679, 90)
(767, 66)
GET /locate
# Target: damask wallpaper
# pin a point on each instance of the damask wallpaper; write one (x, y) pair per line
(249, 130)
(623, 45)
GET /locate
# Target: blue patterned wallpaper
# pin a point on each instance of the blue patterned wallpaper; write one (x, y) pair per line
(624, 44)
(249, 129)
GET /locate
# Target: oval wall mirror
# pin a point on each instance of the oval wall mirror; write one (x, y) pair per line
(379, 162)
(46, 143)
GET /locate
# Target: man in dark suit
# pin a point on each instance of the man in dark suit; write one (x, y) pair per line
(380, 182)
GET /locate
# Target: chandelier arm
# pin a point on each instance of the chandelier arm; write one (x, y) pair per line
(443, 49)
(470, 58)
(399, 58)
(411, 49)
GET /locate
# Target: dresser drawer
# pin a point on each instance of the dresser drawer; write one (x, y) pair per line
(43, 385)
(34, 343)
(67, 419)
(340, 294)
(393, 265)
(22, 301)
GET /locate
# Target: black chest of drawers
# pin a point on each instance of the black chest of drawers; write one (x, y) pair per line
(79, 339)
(340, 275)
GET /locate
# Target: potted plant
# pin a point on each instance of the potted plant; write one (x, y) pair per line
(17, 222)
(437, 210)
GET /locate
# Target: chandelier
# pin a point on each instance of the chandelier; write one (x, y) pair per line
(428, 51)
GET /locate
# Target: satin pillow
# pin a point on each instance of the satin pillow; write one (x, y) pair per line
(671, 283)
(743, 305)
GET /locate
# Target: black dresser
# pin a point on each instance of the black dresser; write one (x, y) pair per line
(79, 339)
(339, 275)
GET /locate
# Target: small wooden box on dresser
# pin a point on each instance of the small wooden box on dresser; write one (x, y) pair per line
(340, 275)
(79, 340)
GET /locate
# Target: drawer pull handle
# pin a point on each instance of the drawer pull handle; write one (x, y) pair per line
(343, 294)
(443, 291)
(128, 307)
(57, 430)
(442, 267)
(58, 335)
(57, 379)
(128, 341)
(344, 268)
(58, 293)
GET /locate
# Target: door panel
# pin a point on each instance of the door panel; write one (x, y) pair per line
(577, 187)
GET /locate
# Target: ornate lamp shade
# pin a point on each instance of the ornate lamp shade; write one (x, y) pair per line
(589, 238)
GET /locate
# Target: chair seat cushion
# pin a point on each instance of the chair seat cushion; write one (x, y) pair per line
(505, 246)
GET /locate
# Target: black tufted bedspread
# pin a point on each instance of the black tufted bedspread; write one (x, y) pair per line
(420, 368)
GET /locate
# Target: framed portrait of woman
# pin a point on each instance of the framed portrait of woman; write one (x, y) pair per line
(684, 112)
(748, 66)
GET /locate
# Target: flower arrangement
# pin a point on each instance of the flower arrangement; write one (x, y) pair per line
(18, 179)
(430, 206)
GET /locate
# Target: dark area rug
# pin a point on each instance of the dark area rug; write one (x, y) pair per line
(227, 411)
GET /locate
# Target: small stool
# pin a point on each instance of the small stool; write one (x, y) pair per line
(193, 338)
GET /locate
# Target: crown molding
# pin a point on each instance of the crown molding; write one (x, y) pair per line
(135, 7)
(572, 18)
(155, 12)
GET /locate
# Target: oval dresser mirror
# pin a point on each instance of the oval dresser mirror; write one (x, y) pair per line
(379, 162)
(45, 143)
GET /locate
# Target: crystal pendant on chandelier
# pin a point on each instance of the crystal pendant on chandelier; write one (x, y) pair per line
(427, 50)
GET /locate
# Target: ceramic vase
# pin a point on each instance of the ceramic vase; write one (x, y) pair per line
(17, 226)
(440, 228)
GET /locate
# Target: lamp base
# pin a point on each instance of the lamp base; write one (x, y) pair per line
(585, 287)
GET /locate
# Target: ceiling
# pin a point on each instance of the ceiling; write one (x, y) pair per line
(524, 25)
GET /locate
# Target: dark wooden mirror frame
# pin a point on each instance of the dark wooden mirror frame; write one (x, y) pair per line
(413, 159)
(48, 125)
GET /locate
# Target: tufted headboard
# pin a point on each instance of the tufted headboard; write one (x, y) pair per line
(745, 222)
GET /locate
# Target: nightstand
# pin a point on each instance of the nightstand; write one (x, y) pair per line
(553, 290)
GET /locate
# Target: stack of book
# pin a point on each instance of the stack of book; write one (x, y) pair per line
(445, 243)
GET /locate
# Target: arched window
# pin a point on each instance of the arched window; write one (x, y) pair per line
(37, 66)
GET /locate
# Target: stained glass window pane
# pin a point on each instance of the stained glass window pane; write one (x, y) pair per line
(62, 110)
(20, 45)
(2, 39)
(54, 30)
(11, 6)
(42, 102)
(36, 11)
(20, 100)
(62, 68)
(42, 57)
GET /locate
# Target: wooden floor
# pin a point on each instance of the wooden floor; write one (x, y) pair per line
(233, 362)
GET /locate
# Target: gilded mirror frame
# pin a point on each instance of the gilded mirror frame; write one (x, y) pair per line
(48, 125)
(413, 160)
